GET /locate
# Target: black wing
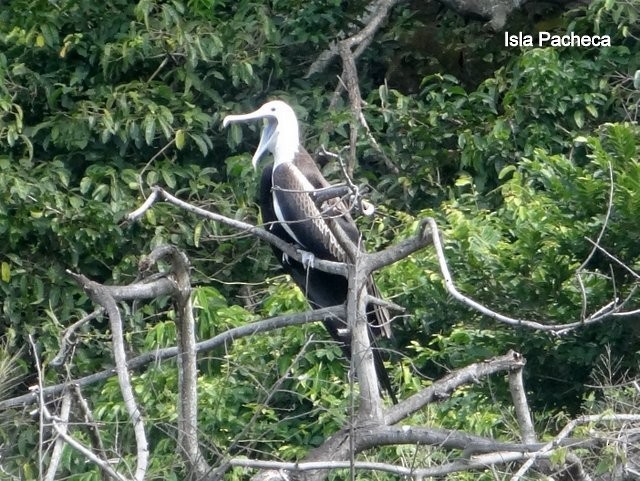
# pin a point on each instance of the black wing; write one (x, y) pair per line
(323, 289)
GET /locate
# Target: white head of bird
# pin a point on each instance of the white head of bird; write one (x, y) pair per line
(280, 134)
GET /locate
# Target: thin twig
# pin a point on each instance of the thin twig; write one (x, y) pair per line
(151, 160)
(41, 404)
(614, 258)
(571, 425)
(61, 430)
(605, 224)
(90, 423)
(86, 452)
(68, 333)
(603, 313)
(58, 446)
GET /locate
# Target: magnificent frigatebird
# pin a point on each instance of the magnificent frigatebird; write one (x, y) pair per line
(290, 213)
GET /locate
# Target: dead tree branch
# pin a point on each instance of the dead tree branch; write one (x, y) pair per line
(349, 50)
(370, 402)
(377, 13)
(58, 446)
(187, 359)
(523, 414)
(90, 423)
(142, 360)
(478, 452)
(442, 388)
(60, 426)
(603, 313)
(278, 470)
(605, 225)
(571, 425)
(338, 447)
(103, 297)
(159, 194)
(372, 426)
(66, 341)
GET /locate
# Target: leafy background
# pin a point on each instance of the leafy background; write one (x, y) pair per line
(512, 151)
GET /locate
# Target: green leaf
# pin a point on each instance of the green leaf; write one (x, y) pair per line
(197, 233)
(152, 177)
(168, 178)
(578, 117)
(235, 135)
(202, 145)
(464, 179)
(149, 124)
(150, 216)
(180, 139)
(85, 185)
(6, 272)
(636, 80)
(50, 34)
(506, 170)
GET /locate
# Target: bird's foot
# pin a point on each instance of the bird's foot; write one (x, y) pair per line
(308, 259)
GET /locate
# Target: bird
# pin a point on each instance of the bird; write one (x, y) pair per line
(289, 212)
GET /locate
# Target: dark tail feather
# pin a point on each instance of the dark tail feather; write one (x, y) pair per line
(377, 315)
(381, 371)
(383, 375)
(379, 326)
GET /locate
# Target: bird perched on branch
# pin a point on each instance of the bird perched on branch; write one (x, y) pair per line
(289, 211)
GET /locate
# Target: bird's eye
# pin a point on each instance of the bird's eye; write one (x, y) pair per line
(273, 109)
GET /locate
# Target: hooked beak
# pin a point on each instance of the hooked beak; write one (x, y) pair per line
(268, 131)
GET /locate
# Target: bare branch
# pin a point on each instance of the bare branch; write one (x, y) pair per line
(90, 423)
(67, 334)
(40, 402)
(221, 339)
(350, 77)
(366, 433)
(349, 49)
(571, 425)
(605, 224)
(319, 465)
(442, 388)
(86, 452)
(370, 405)
(101, 296)
(58, 446)
(523, 414)
(597, 246)
(376, 260)
(366, 207)
(603, 313)
(146, 205)
(479, 462)
(138, 290)
(378, 11)
(187, 359)
(447, 439)
(290, 250)
(60, 426)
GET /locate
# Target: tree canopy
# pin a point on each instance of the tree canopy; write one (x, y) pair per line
(527, 159)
